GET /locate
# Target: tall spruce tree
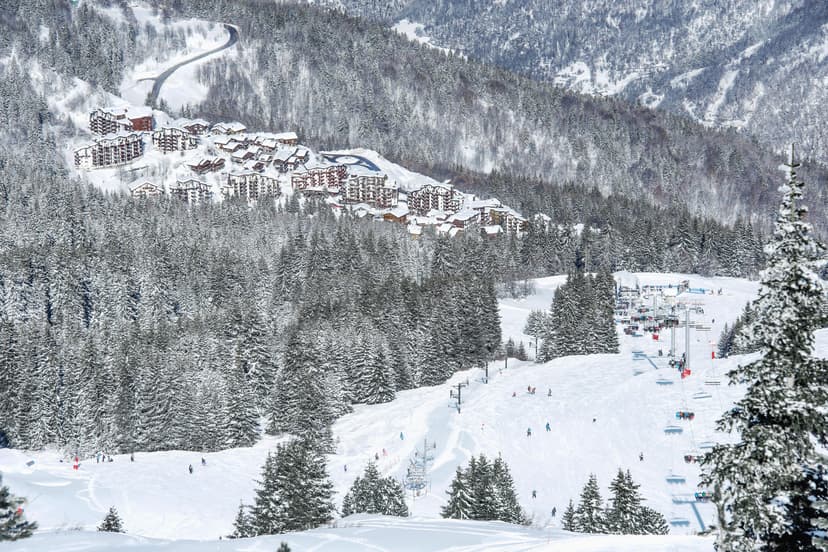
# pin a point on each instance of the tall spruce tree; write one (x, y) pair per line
(458, 505)
(243, 524)
(589, 515)
(13, 524)
(623, 516)
(757, 481)
(295, 491)
(568, 518)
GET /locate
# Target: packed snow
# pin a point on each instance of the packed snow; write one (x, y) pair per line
(604, 410)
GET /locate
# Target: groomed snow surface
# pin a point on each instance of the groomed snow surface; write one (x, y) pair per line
(160, 502)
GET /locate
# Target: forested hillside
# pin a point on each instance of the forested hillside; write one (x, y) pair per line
(347, 82)
(740, 64)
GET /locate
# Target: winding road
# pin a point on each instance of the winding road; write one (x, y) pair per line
(159, 80)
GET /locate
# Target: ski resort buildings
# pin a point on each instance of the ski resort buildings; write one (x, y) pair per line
(169, 139)
(442, 197)
(110, 151)
(144, 189)
(191, 191)
(366, 186)
(319, 177)
(251, 185)
(110, 120)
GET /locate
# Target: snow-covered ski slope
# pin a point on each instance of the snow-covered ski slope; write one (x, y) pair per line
(158, 499)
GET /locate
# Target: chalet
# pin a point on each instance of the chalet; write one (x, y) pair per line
(483, 207)
(255, 165)
(464, 219)
(366, 186)
(287, 138)
(197, 127)
(191, 191)
(415, 230)
(319, 177)
(491, 231)
(232, 146)
(266, 143)
(397, 214)
(280, 159)
(442, 197)
(251, 185)
(509, 219)
(110, 151)
(449, 229)
(207, 164)
(228, 128)
(169, 139)
(144, 189)
(111, 120)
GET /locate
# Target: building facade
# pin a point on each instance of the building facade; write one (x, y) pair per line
(319, 177)
(169, 139)
(251, 186)
(440, 197)
(110, 151)
(191, 191)
(364, 186)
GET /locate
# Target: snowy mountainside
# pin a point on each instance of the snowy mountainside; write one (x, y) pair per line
(754, 66)
(630, 411)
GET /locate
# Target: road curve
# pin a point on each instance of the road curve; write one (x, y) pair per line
(159, 80)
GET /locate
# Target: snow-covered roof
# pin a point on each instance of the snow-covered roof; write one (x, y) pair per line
(437, 214)
(465, 214)
(626, 279)
(415, 230)
(141, 111)
(285, 136)
(399, 211)
(283, 155)
(492, 229)
(483, 203)
(139, 183)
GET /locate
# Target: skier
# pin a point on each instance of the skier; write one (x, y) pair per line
(190, 467)
(109, 459)
(533, 390)
(548, 427)
(132, 457)
(98, 457)
(554, 511)
(376, 456)
(641, 457)
(384, 452)
(514, 393)
(549, 394)
(528, 431)
(401, 436)
(345, 467)
(529, 389)
(203, 461)
(534, 493)
(593, 420)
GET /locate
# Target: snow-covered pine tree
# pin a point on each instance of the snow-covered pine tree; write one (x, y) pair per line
(481, 489)
(623, 516)
(508, 508)
(458, 505)
(652, 522)
(295, 491)
(568, 518)
(243, 524)
(378, 380)
(520, 352)
(780, 421)
(589, 515)
(240, 413)
(13, 524)
(374, 494)
(112, 522)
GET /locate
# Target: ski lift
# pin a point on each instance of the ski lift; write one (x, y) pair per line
(664, 381)
(707, 445)
(673, 429)
(683, 499)
(679, 522)
(713, 382)
(703, 496)
(701, 394)
(675, 479)
(693, 457)
(685, 415)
